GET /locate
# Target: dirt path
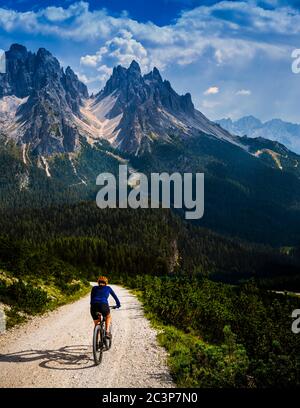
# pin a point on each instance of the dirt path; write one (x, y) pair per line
(55, 350)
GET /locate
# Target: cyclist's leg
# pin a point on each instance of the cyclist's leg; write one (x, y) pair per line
(96, 314)
(107, 323)
(105, 311)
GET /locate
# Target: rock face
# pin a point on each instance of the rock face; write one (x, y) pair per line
(18, 80)
(47, 108)
(51, 98)
(150, 109)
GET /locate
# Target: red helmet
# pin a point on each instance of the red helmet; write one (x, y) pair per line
(103, 279)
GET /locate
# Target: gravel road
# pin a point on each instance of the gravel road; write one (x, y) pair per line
(55, 350)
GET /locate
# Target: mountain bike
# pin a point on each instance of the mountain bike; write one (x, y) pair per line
(100, 342)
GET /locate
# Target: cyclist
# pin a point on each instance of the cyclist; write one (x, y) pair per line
(99, 303)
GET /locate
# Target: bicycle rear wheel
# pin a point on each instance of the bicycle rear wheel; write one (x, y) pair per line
(97, 344)
(109, 341)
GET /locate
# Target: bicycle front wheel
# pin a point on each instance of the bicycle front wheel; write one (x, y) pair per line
(97, 344)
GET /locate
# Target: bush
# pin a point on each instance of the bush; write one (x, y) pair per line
(27, 297)
(197, 364)
(13, 317)
(244, 333)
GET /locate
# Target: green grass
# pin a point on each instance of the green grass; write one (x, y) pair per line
(13, 317)
(196, 363)
(31, 295)
(221, 335)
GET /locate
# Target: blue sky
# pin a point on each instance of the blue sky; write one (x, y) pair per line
(233, 56)
(160, 12)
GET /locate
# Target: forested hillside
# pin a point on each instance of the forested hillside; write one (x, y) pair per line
(141, 241)
(221, 324)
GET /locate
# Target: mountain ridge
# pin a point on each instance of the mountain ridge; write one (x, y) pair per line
(55, 141)
(48, 97)
(150, 109)
(51, 119)
(285, 132)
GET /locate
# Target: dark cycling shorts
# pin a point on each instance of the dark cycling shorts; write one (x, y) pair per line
(102, 308)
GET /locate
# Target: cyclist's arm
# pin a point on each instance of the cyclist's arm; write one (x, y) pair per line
(93, 292)
(115, 297)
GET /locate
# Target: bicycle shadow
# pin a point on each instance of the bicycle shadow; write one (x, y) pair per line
(76, 357)
(163, 377)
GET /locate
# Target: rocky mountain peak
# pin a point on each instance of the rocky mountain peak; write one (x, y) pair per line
(249, 121)
(156, 74)
(144, 108)
(43, 53)
(17, 51)
(131, 111)
(153, 75)
(74, 86)
(116, 79)
(134, 68)
(53, 97)
(47, 62)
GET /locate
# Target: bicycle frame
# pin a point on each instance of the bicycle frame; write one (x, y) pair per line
(100, 342)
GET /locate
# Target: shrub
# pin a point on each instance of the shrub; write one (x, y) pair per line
(27, 297)
(195, 363)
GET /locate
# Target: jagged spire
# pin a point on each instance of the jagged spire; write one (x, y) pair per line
(156, 74)
(18, 47)
(134, 67)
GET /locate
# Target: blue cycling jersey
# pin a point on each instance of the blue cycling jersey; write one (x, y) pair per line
(100, 295)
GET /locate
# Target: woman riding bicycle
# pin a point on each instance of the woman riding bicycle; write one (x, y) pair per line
(99, 303)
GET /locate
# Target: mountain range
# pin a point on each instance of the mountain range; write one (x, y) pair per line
(55, 139)
(276, 129)
(46, 109)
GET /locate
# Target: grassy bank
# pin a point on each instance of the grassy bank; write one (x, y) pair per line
(31, 295)
(218, 335)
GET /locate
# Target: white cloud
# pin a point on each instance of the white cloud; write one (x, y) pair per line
(90, 60)
(120, 50)
(243, 92)
(85, 79)
(105, 72)
(223, 40)
(56, 14)
(59, 14)
(123, 48)
(212, 90)
(245, 16)
(182, 42)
